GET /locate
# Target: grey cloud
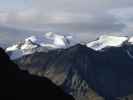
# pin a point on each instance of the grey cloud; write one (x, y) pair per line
(86, 27)
(87, 18)
(98, 23)
(125, 15)
(80, 5)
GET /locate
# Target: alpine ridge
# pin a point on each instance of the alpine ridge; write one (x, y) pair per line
(79, 70)
(21, 85)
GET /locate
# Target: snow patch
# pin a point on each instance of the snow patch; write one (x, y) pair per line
(12, 48)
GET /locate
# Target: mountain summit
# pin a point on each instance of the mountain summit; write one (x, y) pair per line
(106, 41)
(38, 43)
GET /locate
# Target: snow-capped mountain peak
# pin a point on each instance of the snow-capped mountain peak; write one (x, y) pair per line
(107, 41)
(130, 40)
(50, 35)
(48, 40)
(58, 40)
(32, 38)
(28, 45)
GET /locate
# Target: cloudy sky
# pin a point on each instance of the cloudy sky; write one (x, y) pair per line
(86, 19)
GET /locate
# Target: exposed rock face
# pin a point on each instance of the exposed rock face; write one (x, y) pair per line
(16, 83)
(81, 71)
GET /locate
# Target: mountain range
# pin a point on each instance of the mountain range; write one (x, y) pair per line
(98, 70)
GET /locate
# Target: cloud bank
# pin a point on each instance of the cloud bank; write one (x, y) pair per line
(86, 18)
